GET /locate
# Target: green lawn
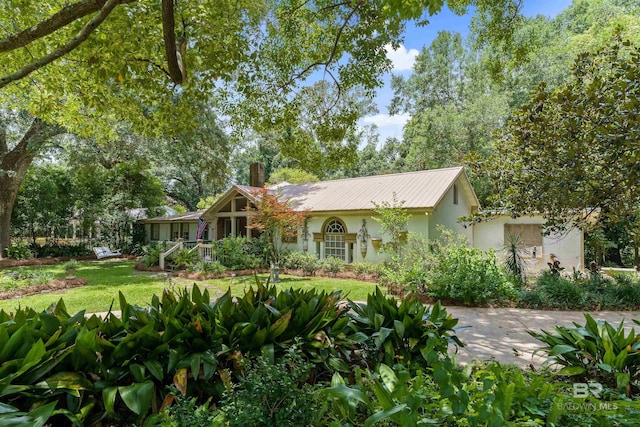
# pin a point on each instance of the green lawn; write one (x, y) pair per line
(106, 278)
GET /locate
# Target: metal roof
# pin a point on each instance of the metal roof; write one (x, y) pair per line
(185, 217)
(418, 190)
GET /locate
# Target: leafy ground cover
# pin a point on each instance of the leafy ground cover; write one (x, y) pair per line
(272, 356)
(104, 279)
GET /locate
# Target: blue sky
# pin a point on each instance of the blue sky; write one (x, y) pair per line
(418, 37)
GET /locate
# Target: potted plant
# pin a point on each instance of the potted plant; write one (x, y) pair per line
(70, 268)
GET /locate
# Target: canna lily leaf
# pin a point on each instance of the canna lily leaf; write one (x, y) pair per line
(138, 396)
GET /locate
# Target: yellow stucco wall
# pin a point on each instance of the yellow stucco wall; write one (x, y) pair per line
(447, 214)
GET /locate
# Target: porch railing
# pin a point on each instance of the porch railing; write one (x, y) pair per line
(163, 255)
(205, 251)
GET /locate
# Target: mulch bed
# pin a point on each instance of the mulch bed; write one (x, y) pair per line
(227, 274)
(239, 273)
(53, 286)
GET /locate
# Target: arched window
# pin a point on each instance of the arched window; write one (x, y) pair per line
(334, 239)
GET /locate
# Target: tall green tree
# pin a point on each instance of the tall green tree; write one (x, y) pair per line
(573, 153)
(44, 205)
(82, 66)
(454, 106)
(109, 181)
(194, 164)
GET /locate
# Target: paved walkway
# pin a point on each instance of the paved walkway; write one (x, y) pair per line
(501, 333)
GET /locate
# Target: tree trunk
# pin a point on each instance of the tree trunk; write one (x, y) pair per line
(14, 165)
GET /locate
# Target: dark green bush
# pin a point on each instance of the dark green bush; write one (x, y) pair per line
(595, 350)
(208, 267)
(558, 292)
(468, 275)
(151, 256)
(272, 394)
(624, 294)
(360, 268)
(409, 331)
(184, 412)
(235, 254)
(19, 251)
(258, 247)
(184, 258)
(60, 250)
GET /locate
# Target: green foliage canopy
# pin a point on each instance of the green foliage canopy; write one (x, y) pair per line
(573, 153)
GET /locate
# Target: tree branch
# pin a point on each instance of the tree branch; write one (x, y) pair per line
(39, 132)
(64, 17)
(154, 64)
(169, 34)
(334, 49)
(68, 47)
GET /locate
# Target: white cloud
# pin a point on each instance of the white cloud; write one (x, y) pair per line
(401, 58)
(383, 120)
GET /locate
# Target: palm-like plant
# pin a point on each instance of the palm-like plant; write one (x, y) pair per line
(514, 261)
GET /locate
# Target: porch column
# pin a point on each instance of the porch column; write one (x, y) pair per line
(233, 217)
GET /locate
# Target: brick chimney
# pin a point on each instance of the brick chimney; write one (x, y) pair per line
(256, 174)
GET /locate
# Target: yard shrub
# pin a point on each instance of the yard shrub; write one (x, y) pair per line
(484, 394)
(408, 269)
(55, 249)
(333, 265)
(304, 261)
(362, 268)
(579, 292)
(70, 267)
(624, 293)
(258, 247)
(13, 279)
(466, 274)
(595, 351)
(184, 412)
(151, 256)
(204, 267)
(184, 258)
(234, 253)
(272, 394)
(19, 251)
(556, 292)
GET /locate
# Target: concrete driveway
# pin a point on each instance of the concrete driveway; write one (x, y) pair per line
(501, 333)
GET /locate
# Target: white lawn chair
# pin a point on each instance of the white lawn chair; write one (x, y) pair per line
(105, 252)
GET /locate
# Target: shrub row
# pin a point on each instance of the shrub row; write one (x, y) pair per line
(24, 251)
(577, 293)
(71, 369)
(233, 253)
(484, 394)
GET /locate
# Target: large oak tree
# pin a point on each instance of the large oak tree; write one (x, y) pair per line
(81, 66)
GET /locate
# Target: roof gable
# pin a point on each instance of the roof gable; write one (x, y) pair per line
(235, 190)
